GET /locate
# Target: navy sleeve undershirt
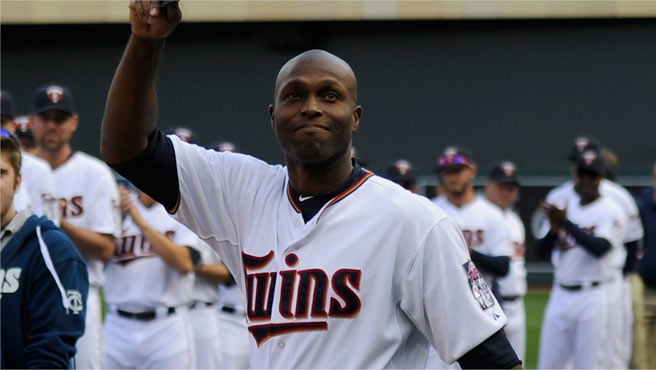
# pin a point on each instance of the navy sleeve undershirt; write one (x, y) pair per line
(494, 353)
(595, 245)
(497, 265)
(154, 171)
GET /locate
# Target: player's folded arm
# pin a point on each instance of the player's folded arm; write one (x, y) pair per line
(154, 171)
(593, 244)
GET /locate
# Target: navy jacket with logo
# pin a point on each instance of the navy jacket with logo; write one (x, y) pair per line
(37, 330)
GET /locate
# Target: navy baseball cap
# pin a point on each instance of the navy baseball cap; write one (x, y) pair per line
(53, 96)
(454, 156)
(400, 171)
(590, 160)
(581, 144)
(504, 172)
(8, 108)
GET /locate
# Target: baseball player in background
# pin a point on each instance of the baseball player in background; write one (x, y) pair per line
(585, 234)
(619, 321)
(232, 310)
(88, 203)
(209, 274)
(36, 194)
(147, 291)
(482, 223)
(502, 189)
(400, 171)
(43, 280)
(321, 248)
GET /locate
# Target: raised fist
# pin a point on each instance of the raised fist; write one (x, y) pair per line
(148, 20)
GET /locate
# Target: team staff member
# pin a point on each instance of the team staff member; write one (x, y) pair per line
(502, 189)
(352, 250)
(585, 232)
(43, 278)
(36, 194)
(149, 279)
(647, 270)
(88, 203)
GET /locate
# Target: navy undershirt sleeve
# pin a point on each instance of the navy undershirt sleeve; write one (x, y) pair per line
(497, 265)
(595, 245)
(494, 353)
(154, 171)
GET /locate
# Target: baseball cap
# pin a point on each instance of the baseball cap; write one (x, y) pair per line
(185, 134)
(590, 160)
(580, 144)
(8, 105)
(504, 172)
(400, 171)
(53, 96)
(454, 156)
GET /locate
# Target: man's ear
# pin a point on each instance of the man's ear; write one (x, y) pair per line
(271, 115)
(17, 182)
(357, 114)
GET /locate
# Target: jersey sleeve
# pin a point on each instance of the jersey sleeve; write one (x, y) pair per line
(104, 216)
(54, 330)
(444, 284)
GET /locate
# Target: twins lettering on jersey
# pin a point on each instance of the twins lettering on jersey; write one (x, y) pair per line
(130, 247)
(305, 296)
(71, 207)
(10, 280)
(474, 238)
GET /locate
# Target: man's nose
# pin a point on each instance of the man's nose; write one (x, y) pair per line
(312, 107)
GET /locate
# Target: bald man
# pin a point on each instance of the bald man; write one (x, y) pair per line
(339, 268)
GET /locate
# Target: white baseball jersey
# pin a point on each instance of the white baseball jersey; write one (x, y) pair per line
(137, 278)
(205, 290)
(483, 226)
(560, 195)
(22, 200)
(88, 197)
(573, 263)
(514, 284)
(39, 181)
(376, 260)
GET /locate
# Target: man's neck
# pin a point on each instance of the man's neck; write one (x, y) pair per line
(57, 157)
(463, 199)
(319, 179)
(6, 218)
(587, 200)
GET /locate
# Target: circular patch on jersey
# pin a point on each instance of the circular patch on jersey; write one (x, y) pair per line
(479, 287)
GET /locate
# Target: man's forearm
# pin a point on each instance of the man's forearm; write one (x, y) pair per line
(174, 255)
(90, 243)
(131, 110)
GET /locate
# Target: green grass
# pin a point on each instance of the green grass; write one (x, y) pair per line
(535, 303)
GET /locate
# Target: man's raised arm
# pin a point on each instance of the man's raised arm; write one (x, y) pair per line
(131, 110)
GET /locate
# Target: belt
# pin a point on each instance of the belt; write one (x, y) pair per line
(579, 286)
(144, 316)
(200, 304)
(510, 298)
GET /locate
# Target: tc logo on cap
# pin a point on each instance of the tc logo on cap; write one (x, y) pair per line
(581, 143)
(55, 93)
(508, 168)
(589, 157)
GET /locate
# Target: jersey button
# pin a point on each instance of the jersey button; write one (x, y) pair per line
(281, 344)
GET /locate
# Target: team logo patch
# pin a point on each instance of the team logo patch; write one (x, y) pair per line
(74, 298)
(55, 93)
(588, 157)
(479, 287)
(508, 168)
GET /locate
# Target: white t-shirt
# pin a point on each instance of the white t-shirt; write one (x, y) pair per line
(88, 197)
(514, 284)
(137, 278)
(368, 282)
(483, 226)
(573, 263)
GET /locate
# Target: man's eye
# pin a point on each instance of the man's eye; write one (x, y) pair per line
(292, 95)
(330, 96)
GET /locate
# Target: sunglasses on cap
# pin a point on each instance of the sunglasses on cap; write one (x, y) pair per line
(5, 133)
(454, 160)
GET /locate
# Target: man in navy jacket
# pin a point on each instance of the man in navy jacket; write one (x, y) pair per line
(43, 280)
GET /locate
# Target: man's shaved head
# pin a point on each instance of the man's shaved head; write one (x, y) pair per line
(320, 59)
